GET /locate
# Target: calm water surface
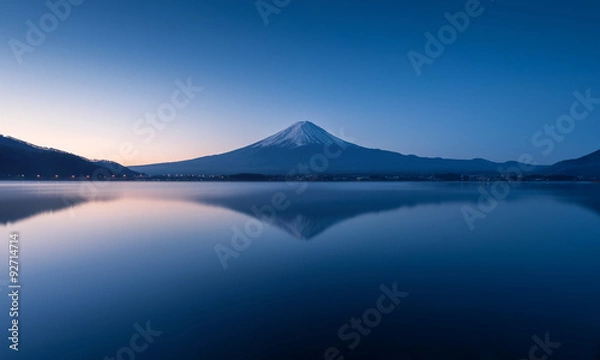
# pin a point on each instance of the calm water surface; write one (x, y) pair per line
(195, 262)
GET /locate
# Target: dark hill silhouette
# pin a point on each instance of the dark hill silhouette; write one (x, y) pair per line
(21, 159)
(586, 166)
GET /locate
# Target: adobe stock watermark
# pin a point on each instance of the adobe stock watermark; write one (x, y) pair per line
(581, 108)
(146, 128)
(37, 32)
(435, 45)
(353, 331)
(163, 115)
(545, 348)
(139, 342)
(241, 240)
(266, 8)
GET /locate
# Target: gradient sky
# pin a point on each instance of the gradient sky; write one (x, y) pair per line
(340, 64)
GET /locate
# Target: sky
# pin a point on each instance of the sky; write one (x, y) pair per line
(96, 80)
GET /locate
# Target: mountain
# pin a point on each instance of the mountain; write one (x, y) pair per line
(300, 134)
(304, 144)
(587, 166)
(19, 159)
(115, 168)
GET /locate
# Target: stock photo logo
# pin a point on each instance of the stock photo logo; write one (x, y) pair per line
(267, 8)
(38, 30)
(512, 177)
(140, 341)
(437, 43)
(544, 347)
(357, 328)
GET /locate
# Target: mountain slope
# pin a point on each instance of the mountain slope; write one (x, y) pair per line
(19, 159)
(305, 144)
(587, 166)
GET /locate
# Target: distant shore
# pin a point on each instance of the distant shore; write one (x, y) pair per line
(320, 178)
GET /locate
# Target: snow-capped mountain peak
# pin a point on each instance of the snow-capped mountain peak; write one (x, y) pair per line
(300, 134)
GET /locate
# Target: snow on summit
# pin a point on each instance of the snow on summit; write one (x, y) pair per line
(300, 134)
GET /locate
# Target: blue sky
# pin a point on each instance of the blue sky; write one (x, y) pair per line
(340, 64)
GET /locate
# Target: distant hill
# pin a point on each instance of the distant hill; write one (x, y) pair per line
(587, 166)
(304, 142)
(19, 159)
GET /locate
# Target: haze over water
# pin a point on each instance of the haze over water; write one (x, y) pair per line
(93, 267)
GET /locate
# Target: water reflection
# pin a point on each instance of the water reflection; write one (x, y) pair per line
(144, 251)
(22, 201)
(315, 210)
(306, 215)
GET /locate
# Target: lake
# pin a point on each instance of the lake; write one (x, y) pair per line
(303, 270)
